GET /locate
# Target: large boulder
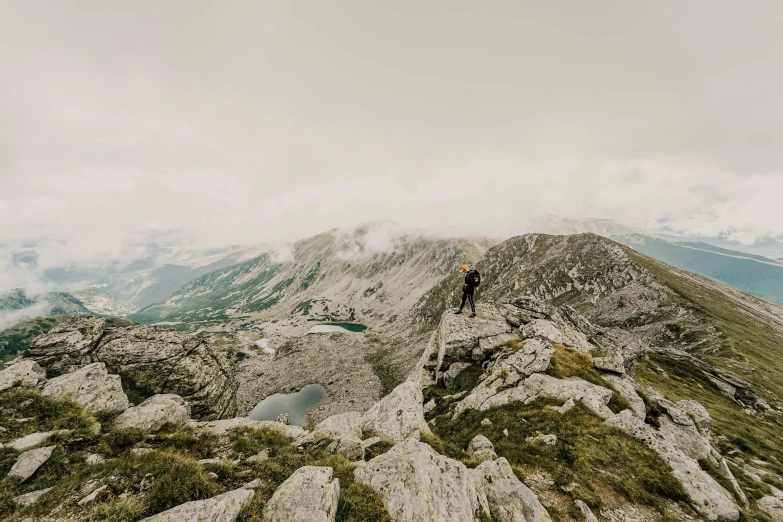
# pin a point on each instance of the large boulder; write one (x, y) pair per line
(154, 413)
(625, 387)
(707, 497)
(154, 360)
(417, 484)
(23, 373)
(509, 499)
(344, 429)
(28, 463)
(398, 415)
(311, 494)
(458, 335)
(90, 386)
(222, 508)
(34, 439)
(772, 506)
(481, 449)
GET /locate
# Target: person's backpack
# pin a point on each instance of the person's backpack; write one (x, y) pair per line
(476, 278)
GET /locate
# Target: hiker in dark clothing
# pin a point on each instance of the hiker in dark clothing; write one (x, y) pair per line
(472, 280)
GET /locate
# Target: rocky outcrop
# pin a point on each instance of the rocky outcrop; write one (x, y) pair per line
(222, 508)
(67, 344)
(155, 360)
(399, 415)
(707, 497)
(28, 463)
(540, 385)
(625, 386)
(419, 485)
(772, 506)
(154, 413)
(311, 494)
(548, 330)
(91, 387)
(161, 361)
(23, 373)
(480, 448)
(458, 336)
(345, 431)
(222, 427)
(509, 499)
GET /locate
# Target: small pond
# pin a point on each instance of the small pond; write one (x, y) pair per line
(294, 404)
(337, 328)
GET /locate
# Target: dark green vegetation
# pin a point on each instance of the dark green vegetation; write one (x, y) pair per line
(380, 357)
(628, 470)
(166, 475)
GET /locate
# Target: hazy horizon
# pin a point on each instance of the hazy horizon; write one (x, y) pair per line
(243, 122)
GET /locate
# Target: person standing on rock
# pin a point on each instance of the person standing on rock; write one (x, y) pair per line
(472, 280)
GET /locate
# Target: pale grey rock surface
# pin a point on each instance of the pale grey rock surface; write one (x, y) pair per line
(91, 387)
(615, 363)
(75, 339)
(586, 511)
(222, 427)
(458, 335)
(28, 499)
(772, 506)
(454, 370)
(509, 499)
(707, 497)
(34, 439)
(419, 485)
(154, 413)
(540, 385)
(310, 494)
(398, 415)
(625, 387)
(560, 334)
(543, 438)
(23, 373)
(222, 508)
(481, 448)
(28, 463)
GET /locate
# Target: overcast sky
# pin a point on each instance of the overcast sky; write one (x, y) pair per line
(255, 120)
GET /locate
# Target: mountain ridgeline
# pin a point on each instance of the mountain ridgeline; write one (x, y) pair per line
(328, 277)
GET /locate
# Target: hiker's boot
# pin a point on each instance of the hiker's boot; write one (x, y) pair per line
(458, 312)
(473, 314)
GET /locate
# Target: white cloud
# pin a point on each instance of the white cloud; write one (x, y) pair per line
(282, 254)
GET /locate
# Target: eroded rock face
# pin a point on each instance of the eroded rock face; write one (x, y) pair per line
(23, 373)
(625, 387)
(459, 335)
(419, 485)
(399, 415)
(154, 413)
(509, 499)
(74, 339)
(345, 429)
(28, 463)
(561, 335)
(91, 387)
(164, 361)
(707, 497)
(222, 508)
(772, 506)
(311, 494)
(156, 360)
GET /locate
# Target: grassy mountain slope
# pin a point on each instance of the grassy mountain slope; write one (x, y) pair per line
(635, 299)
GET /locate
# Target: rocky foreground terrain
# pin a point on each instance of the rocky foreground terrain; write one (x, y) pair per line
(595, 384)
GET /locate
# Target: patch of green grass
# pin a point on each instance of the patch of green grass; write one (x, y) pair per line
(602, 460)
(44, 414)
(731, 427)
(358, 502)
(383, 365)
(117, 442)
(120, 510)
(379, 448)
(185, 440)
